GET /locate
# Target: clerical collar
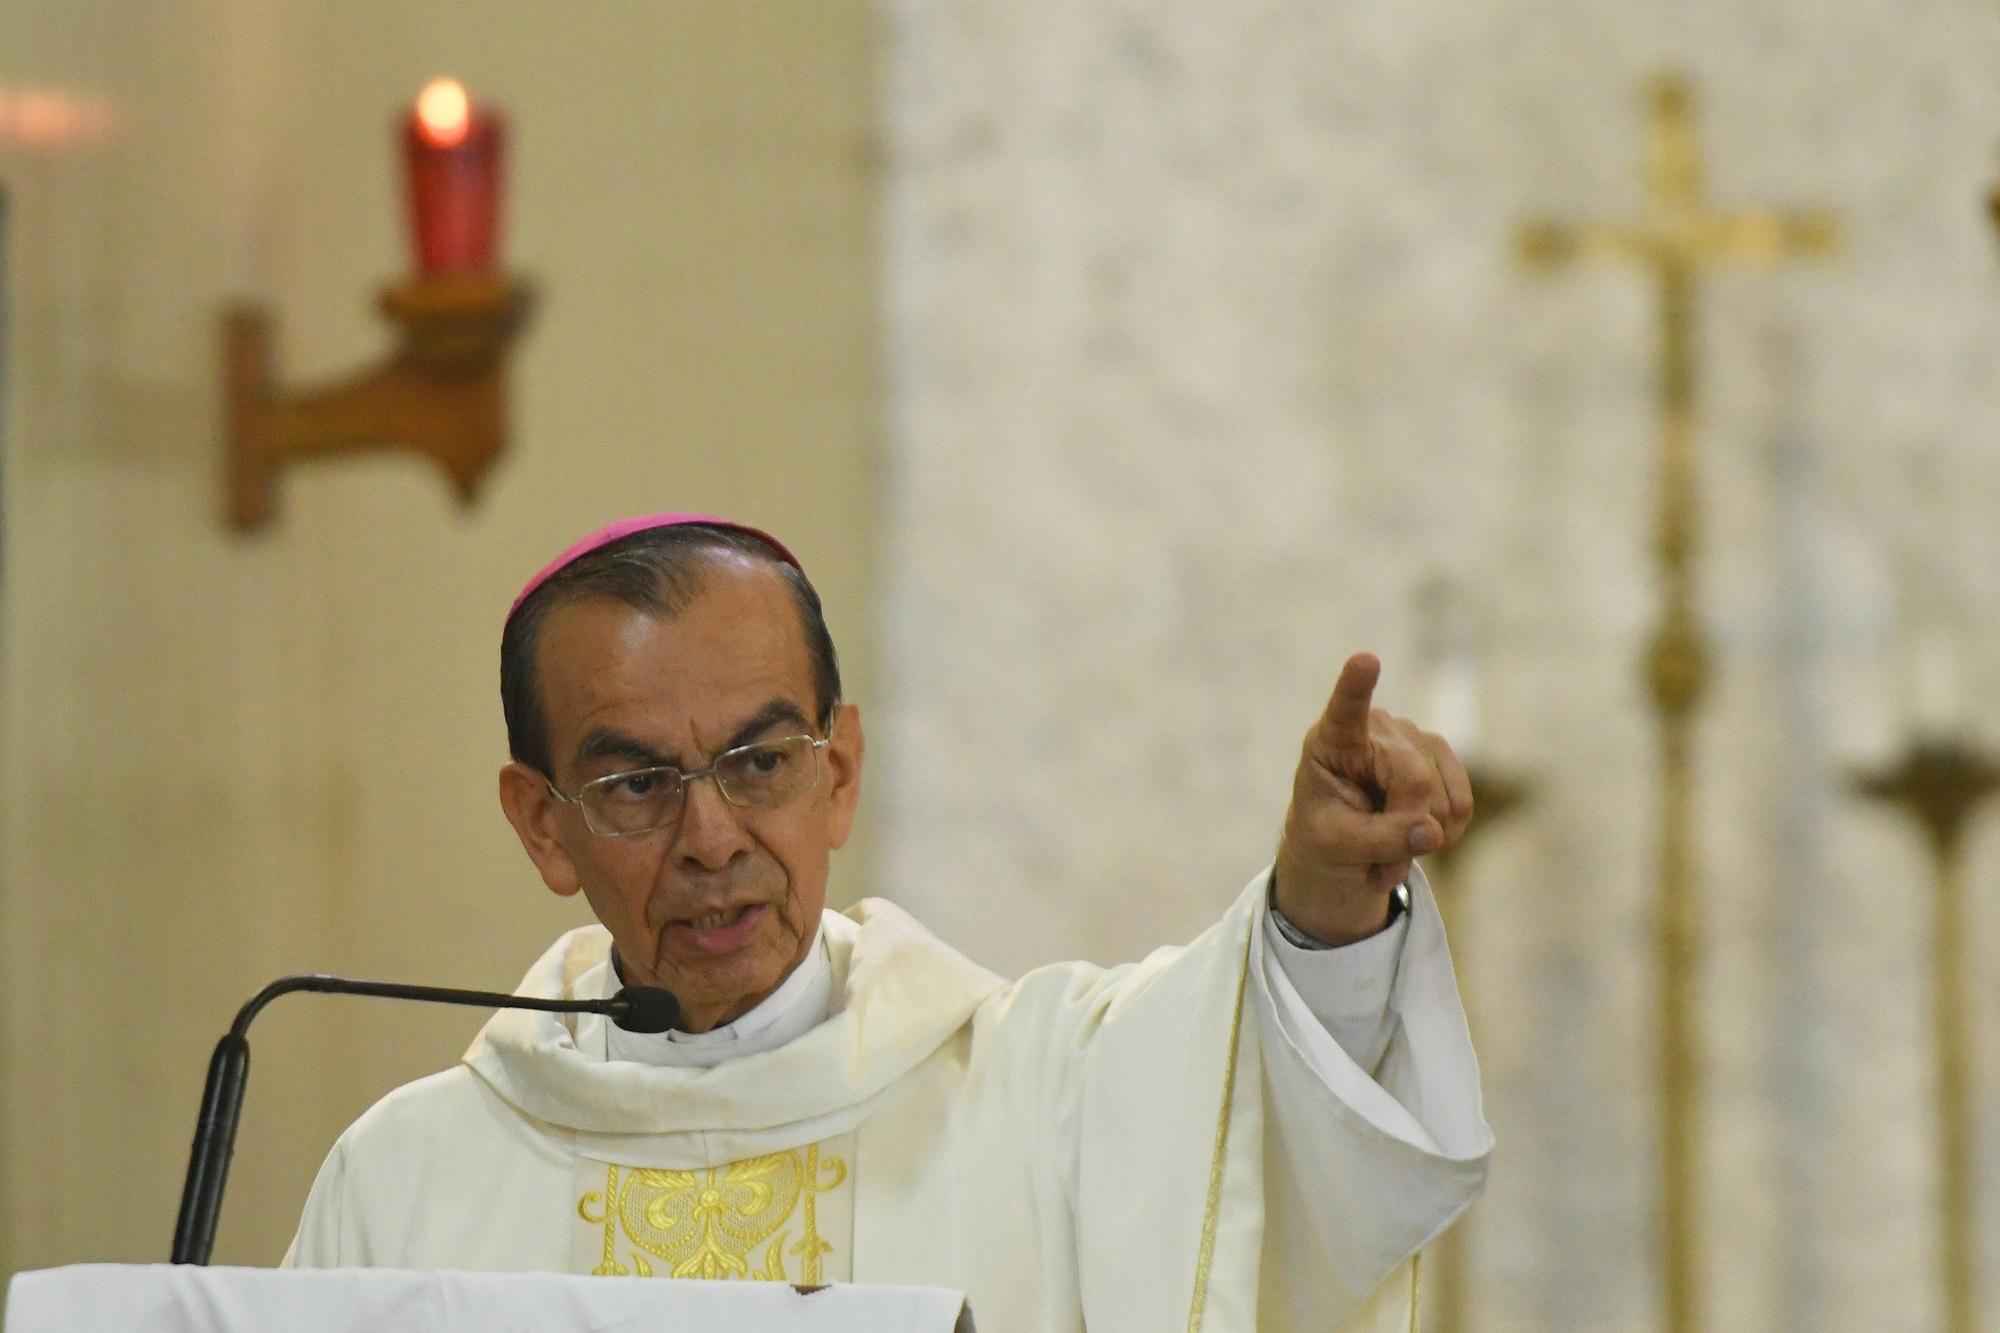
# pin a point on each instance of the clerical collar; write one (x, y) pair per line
(802, 1002)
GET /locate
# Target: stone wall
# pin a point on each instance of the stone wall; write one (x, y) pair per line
(1207, 355)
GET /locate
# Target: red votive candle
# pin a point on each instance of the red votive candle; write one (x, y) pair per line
(456, 152)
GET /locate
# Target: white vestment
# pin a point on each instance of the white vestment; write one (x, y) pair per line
(1110, 1147)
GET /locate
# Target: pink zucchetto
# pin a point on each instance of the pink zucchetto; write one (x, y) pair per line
(612, 532)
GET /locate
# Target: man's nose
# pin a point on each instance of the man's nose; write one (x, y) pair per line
(711, 834)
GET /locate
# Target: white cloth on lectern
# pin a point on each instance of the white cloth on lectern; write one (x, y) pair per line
(184, 1298)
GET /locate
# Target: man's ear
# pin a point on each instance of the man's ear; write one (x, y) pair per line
(532, 810)
(844, 747)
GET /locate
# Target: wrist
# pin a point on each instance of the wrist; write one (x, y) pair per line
(1319, 937)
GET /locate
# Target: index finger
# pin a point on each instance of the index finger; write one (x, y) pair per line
(1345, 722)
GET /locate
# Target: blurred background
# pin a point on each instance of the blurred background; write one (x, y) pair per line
(1116, 370)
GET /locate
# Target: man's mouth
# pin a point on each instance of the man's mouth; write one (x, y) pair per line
(719, 932)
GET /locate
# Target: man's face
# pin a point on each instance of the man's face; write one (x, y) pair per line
(722, 904)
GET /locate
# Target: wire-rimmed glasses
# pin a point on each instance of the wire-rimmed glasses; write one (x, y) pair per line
(754, 776)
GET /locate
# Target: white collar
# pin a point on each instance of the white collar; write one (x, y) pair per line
(801, 1003)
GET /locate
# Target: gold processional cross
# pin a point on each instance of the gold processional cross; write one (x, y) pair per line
(1675, 238)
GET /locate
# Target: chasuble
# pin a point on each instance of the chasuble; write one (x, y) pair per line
(1176, 1143)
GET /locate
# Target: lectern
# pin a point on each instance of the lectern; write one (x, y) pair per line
(183, 1298)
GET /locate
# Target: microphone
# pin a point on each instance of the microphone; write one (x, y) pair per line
(634, 1008)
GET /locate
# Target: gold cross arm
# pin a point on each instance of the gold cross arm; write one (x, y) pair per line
(1682, 241)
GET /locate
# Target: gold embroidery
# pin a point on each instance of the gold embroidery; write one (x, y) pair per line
(1211, 1211)
(709, 1223)
(811, 1246)
(774, 1261)
(610, 1267)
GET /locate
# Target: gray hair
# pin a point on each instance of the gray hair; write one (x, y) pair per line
(661, 571)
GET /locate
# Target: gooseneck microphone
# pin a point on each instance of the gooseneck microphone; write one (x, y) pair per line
(634, 1008)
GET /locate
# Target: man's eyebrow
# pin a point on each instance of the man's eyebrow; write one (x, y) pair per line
(767, 717)
(605, 743)
(609, 743)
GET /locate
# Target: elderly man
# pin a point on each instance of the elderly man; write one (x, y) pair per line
(1258, 1130)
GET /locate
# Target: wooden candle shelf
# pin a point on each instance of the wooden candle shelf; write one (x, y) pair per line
(442, 392)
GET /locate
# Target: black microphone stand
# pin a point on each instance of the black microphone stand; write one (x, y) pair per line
(638, 1008)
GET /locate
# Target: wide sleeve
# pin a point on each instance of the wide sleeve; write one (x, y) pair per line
(1361, 1172)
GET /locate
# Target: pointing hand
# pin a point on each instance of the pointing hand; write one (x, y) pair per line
(1373, 791)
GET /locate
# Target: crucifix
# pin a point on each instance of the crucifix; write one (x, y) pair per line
(1675, 237)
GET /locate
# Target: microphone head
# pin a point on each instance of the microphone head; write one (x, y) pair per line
(645, 1009)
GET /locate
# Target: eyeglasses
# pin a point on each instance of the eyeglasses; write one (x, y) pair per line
(768, 773)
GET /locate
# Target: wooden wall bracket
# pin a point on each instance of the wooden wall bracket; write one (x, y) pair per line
(442, 392)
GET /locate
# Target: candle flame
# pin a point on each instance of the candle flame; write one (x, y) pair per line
(444, 113)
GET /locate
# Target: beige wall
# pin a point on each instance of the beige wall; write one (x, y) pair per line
(225, 758)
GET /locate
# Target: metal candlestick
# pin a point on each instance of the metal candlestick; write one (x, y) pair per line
(1939, 783)
(1497, 794)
